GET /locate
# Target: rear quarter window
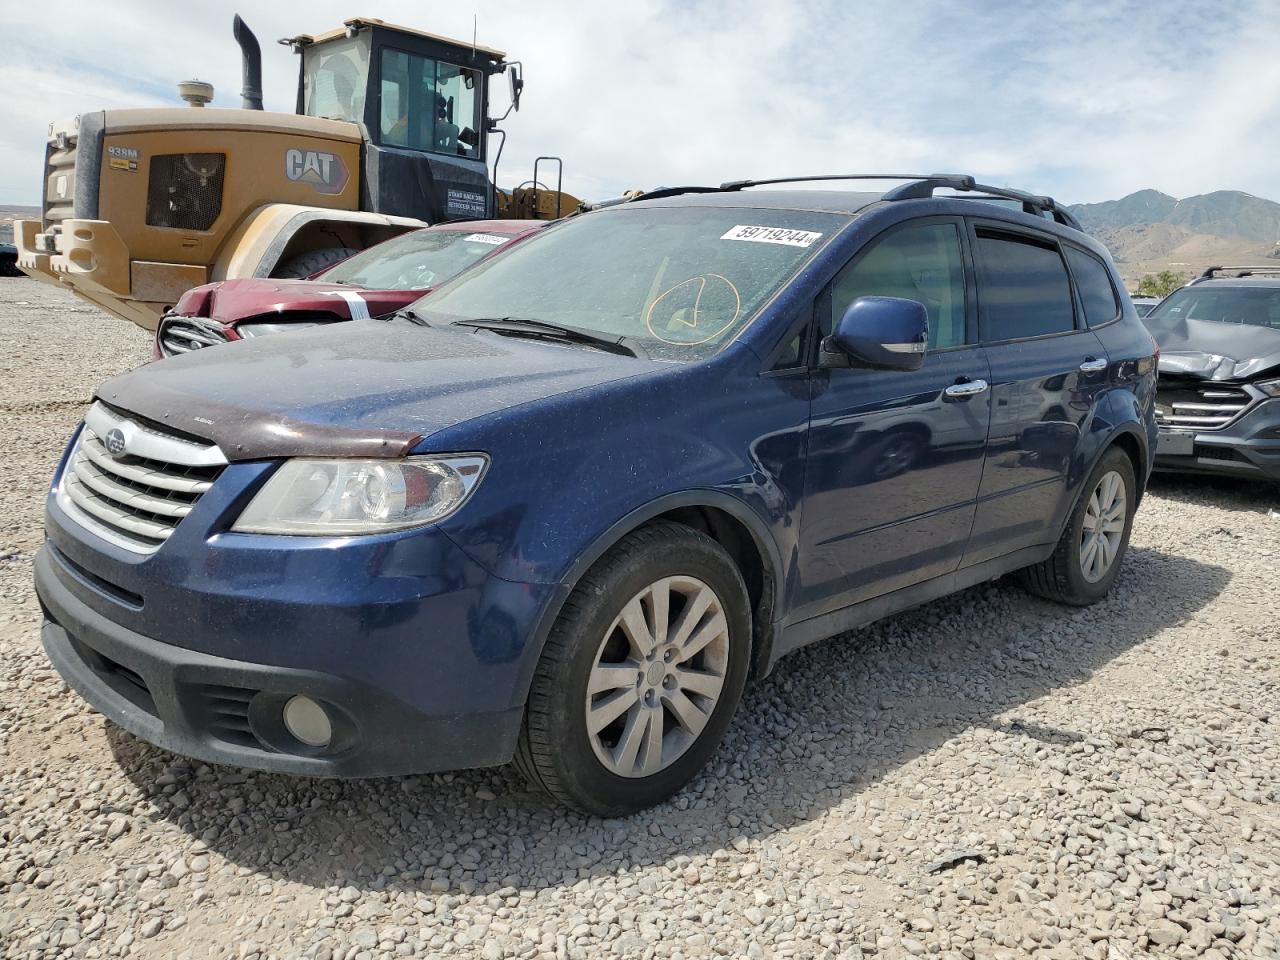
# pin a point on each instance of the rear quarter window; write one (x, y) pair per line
(1093, 283)
(1023, 288)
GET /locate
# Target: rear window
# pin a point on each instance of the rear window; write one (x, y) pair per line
(1093, 283)
(1024, 290)
(1254, 306)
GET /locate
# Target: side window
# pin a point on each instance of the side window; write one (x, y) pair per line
(1093, 283)
(403, 121)
(457, 110)
(922, 263)
(1023, 288)
(429, 105)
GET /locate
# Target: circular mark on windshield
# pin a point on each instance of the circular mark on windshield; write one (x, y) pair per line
(694, 311)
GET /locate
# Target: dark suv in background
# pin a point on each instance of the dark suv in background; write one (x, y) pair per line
(1218, 403)
(560, 510)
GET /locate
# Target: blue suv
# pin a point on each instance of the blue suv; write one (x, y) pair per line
(562, 509)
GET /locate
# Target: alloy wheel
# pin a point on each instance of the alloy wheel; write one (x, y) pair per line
(657, 676)
(1102, 529)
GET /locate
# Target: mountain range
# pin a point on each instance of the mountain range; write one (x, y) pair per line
(1146, 232)
(1149, 231)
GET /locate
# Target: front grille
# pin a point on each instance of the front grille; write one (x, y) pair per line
(1206, 406)
(133, 483)
(184, 334)
(184, 190)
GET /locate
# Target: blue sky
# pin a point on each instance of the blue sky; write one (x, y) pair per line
(1082, 100)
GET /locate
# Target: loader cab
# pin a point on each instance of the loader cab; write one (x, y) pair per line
(422, 103)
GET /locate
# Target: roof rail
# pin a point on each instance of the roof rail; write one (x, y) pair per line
(1241, 271)
(919, 186)
(1032, 203)
(922, 185)
(739, 184)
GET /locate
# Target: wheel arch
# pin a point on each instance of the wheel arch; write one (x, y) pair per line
(275, 232)
(728, 521)
(1127, 439)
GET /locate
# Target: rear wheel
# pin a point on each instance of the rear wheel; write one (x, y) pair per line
(313, 261)
(641, 674)
(1087, 559)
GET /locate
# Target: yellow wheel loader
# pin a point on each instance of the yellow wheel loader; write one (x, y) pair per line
(391, 133)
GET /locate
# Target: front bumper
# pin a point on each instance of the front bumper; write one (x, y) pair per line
(1248, 447)
(229, 711)
(421, 659)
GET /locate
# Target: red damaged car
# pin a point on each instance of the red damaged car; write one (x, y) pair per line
(372, 283)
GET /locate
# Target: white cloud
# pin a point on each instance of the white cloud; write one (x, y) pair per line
(1086, 100)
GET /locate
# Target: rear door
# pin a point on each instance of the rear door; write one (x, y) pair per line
(894, 459)
(1046, 370)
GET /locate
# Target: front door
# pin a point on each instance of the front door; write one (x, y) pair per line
(1046, 370)
(895, 457)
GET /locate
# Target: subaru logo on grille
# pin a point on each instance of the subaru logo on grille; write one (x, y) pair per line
(114, 442)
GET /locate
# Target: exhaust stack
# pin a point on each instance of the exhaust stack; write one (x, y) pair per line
(251, 92)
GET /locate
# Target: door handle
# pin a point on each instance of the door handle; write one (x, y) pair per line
(1093, 365)
(968, 388)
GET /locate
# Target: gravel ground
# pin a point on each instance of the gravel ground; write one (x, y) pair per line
(988, 776)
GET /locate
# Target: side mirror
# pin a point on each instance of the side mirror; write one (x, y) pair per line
(887, 333)
(517, 83)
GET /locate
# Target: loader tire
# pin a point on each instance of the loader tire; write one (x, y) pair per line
(313, 261)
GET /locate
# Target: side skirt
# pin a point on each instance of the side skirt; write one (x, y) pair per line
(797, 635)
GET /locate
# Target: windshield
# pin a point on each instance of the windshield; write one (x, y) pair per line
(414, 261)
(334, 78)
(682, 281)
(1255, 306)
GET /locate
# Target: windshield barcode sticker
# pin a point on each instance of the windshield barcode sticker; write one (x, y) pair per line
(485, 238)
(790, 238)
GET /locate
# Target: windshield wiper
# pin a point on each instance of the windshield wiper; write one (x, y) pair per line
(407, 314)
(526, 326)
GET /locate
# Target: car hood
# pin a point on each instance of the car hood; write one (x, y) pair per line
(1208, 350)
(371, 389)
(231, 301)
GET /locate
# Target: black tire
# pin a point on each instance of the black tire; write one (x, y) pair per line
(555, 750)
(305, 264)
(1060, 577)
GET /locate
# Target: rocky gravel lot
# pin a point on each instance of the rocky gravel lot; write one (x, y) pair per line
(987, 776)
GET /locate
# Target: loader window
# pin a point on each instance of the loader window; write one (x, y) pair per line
(429, 105)
(334, 78)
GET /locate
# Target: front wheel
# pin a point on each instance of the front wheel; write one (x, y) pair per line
(1087, 559)
(641, 674)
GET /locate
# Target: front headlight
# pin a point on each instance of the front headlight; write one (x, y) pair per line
(1270, 387)
(355, 497)
(248, 330)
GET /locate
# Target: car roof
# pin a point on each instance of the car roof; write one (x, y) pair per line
(513, 227)
(853, 203)
(1258, 281)
(818, 201)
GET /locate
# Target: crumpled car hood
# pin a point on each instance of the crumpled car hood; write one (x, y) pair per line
(1208, 350)
(230, 301)
(363, 389)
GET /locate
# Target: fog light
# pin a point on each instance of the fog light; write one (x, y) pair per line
(307, 721)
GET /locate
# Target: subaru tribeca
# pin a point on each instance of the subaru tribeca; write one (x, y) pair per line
(562, 509)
